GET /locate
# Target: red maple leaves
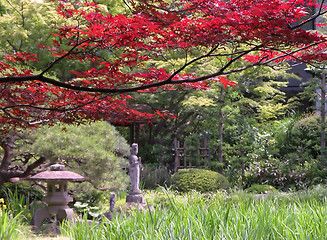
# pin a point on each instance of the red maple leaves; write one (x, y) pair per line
(118, 55)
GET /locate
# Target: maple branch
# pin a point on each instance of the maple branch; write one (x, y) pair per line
(139, 87)
(80, 88)
(12, 45)
(266, 63)
(161, 83)
(23, 120)
(32, 166)
(180, 127)
(168, 10)
(313, 17)
(221, 71)
(190, 63)
(294, 51)
(63, 56)
(126, 3)
(169, 80)
(61, 109)
(300, 61)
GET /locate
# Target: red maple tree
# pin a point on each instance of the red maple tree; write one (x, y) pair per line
(119, 52)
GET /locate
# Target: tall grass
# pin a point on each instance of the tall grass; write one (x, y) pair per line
(216, 216)
(9, 226)
(20, 205)
(15, 213)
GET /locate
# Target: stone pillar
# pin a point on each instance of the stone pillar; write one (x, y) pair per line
(135, 194)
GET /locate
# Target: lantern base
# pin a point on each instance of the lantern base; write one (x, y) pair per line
(60, 212)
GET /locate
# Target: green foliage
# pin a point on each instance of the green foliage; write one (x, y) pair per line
(25, 23)
(115, 7)
(259, 93)
(82, 229)
(201, 180)
(30, 193)
(9, 226)
(89, 203)
(257, 188)
(287, 156)
(275, 172)
(153, 176)
(2, 9)
(247, 113)
(235, 216)
(192, 144)
(85, 208)
(240, 137)
(315, 174)
(95, 150)
(160, 196)
(159, 152)
(21, 200)
(278, 155)
(304, 139)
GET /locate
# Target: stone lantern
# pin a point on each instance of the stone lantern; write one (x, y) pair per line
(57, 197)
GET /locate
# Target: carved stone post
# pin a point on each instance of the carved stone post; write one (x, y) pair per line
(135, 194)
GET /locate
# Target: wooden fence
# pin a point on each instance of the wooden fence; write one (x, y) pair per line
(183, 156)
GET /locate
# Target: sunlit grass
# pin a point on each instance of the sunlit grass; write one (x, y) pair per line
(221, 215)
(216, 216)
(9, 225)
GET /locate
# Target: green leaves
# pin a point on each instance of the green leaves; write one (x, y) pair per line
(235, 216)
(96, 151)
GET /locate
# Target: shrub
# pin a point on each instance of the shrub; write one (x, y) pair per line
(304, 140)
(20, 200)
(89, 202)
(201, 180)
(153, 176)
(258, 188)
(30, 193)
(292, 161)
(96, 151)
(278, 173)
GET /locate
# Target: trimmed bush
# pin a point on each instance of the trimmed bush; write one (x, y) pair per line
(258, 189)
(201, 180)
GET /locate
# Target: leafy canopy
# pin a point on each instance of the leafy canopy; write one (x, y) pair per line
(117, 54)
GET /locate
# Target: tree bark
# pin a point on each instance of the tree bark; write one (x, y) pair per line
(8, 175)
(7, 145)
(220, 128)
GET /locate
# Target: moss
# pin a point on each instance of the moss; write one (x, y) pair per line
(200, 180)
(258, 188)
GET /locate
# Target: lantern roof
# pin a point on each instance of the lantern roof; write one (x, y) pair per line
(58, 173)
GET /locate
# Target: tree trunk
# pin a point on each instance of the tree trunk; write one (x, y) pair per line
(177, 160)
(7, 144)
(7, 175)
(220, 128)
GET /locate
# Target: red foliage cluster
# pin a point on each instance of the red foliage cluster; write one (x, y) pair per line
(120, 51)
